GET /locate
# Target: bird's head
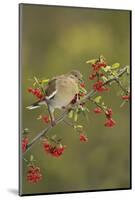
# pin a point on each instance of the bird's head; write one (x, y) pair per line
(75, 74)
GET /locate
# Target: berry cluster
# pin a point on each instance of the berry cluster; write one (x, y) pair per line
(54, 150)
(98, 86)
(82, 91)
(95, 69)
(36, 92)
(96, 74)
(96, 66)
(109, 122)
(33, 174)
(108, 113)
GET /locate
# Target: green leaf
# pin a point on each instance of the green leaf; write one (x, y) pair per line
(34, 84)
(75, 116)
(36, 80)
(104, 78)
(115, 66)
(122, 104)
(103, 105)
(106, 69)
(86, 109)
(92, 61)
(39, 117)
(101, 58)
(128, 70)
(54, 137)
(78, 126)
(85, 114)
(82, 90)
(70, 114)
(115, 73)
(26, 131)
(45, 81)
(31, 158)
(97, 99)
(81, 108)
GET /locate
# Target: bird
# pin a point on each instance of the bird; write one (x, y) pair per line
(59, 92)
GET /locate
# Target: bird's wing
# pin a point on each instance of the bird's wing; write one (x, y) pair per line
(51, 89)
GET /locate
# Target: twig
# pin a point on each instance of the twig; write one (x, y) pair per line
(121, 86)
(98, 105)
(64, 114)
(68, 123)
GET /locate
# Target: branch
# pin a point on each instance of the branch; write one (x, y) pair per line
(43, 132)
(64, 114)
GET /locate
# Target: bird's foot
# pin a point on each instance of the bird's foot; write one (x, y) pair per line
(53, 123)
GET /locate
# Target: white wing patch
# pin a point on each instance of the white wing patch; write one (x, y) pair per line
(52, 95)
(32, 107)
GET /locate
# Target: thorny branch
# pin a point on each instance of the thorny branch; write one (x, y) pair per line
(88, 96)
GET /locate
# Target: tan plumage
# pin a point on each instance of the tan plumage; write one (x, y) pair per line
(60, 92)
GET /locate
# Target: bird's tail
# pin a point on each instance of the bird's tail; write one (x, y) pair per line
(35, 105)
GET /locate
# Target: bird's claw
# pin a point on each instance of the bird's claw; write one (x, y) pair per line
(53, 123)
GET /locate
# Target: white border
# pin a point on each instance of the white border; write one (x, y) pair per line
(9, 97)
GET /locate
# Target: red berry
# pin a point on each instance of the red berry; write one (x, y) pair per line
(82, 85)
(102, 64)
(101, 74)
(30, 90)
(92, 76)
(97, 110)
(109, 113)
(58, 151)
(35, 92)
(126, 97)
(81, 94)
(94, 66)
(46, 119)
(25, 142)
(98, 86)
(98, 65)
(40, 96)
(83, 138)
(110, 123)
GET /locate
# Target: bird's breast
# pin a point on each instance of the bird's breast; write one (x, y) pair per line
(66, 90)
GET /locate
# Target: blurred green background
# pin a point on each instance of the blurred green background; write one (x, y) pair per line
(56, 40)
